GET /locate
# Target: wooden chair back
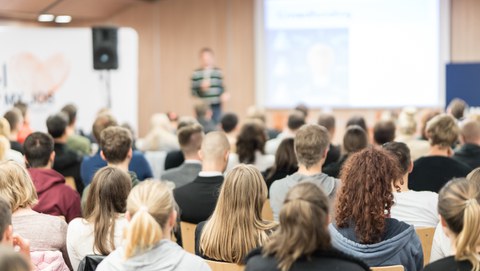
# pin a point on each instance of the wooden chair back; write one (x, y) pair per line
(388, 268)
(426, 238)
(188, 236)
(221, 266)
(267, 213)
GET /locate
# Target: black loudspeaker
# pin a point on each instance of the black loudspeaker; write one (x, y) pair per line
(105, 55)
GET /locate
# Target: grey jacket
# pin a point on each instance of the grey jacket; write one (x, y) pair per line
(166, 256)
(280, 188)
(182, 175)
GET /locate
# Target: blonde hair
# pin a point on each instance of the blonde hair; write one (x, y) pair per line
(150, 205)
(442, 130)
(236, 226)
(407, 125)
(4, 147)
(458, 204)
(16, 186)
(303, 225)
(4, 127)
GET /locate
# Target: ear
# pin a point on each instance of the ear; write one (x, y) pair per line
(200, 154)
(103, 156)
(227, 155)
(128, 216)
(52, 156)
(130, 154)
(172, 220)
(326, 152)
(7, 237)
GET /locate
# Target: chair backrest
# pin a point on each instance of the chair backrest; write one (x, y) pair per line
(90, 262)
(388, 268)
(267, 213)
(221, 266)
(188, 236)
(70, 181)
(426, 238)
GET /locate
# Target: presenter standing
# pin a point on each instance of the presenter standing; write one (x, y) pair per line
(207, 84)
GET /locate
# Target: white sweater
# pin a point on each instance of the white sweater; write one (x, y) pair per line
(80, 238)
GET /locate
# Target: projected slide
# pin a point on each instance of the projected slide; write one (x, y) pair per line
(350, 53)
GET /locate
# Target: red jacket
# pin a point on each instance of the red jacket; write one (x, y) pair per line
(54, 196)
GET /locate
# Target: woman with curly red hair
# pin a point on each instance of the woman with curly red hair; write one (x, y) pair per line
(363, 226)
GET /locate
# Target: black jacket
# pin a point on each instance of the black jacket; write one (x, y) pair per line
(197, 199)
(67, 163)
(320, 261)
(468, 154)
(333, 155)
(174, 159)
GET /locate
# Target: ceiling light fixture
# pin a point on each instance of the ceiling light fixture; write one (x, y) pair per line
(63, 19)
(46, 18)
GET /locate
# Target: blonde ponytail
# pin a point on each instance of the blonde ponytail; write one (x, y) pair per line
(150, 204)
(458, 204)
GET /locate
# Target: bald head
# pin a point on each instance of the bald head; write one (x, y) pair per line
(215, 148)
(470, 132)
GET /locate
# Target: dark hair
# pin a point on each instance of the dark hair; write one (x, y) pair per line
(5, 216)
(101, 123)
(357, 120)
(354, 139)
(296, 119)
(206, 50)
(115, 143)
(57, 124)
(252, 137)
(23, 107)
(327, 121)
(38, 147)
(383, 132)
(365, 198)
(285, 158)
(457, 108)
(71, 111)
(107, 197)
(401, 151)
(302, 108)
(228, 122)
(190, 138)
(14, 117)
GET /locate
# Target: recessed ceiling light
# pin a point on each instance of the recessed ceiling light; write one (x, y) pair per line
(46, 18)
(63, 19)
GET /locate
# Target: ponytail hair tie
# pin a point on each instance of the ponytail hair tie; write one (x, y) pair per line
(468, 202)
(143, 208)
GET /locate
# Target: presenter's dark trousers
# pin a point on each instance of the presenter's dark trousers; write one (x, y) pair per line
(217, 112)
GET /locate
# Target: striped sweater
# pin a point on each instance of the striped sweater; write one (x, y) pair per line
(213, 93)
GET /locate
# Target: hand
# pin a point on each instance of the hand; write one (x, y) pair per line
(225, 97)
(22, 244)
(205, 85)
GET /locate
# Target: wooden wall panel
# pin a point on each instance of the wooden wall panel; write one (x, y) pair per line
(465, 30)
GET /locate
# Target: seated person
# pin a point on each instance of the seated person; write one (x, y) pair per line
(229, 125)
(383, 132)
(432, 171)
(302, 241)
(190, 138)
(417, 208)
(197, 199)
(311, 148)
(236, 219)
(90, 165)
(7, 237)
(469, 150)
(75, 141)
(46, 233)
(54, 196)
(175, 158)
(15, 122)
(67, 162)
(285, 163)
(147, 245)
(296, 119)
(334, 151)
(363, 227)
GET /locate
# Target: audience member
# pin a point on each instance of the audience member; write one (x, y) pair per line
(302, 241)
(236, 220)
(203, 114)
(311, 147)
(190, 139)
(459, 211)
(12, 261)
(456, 108)
(355, 139)
(251, 147)
(15, 122)
(426, 116)
(407, 133)
(46, 233)
(175, 158)
(147, 244)
(90, 165)
(296, 119)
(160, 137)
(258, 113)
(328, 121)
(6, 153)
(229, 125)
(431, 172)
(7, 237)
(75, 141)
(67, 162)
(54, 196)
(469, 151)
(418, 208)
(25, 130)
(383, 132)
(285, 162)
(101, 231)
(304, 109)
(197, 199)
(358, 120)
(363, 227)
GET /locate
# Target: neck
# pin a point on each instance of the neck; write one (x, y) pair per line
(122, 165)
(13, 135)
(404, 186)
(437, 150)
(191, 156)
(61, 140)
(212, 166)
(315, 169)
(22, 211)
